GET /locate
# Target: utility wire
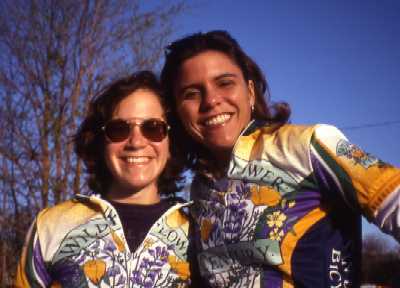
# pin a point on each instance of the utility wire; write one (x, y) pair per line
(371, 125)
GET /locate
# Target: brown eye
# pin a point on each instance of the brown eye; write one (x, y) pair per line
(226, 83)
(191, 94)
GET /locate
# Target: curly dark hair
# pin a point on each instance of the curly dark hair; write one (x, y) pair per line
(218, 40)
(89, 141)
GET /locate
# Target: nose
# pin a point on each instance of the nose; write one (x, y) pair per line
(210, 99)
(136, 139)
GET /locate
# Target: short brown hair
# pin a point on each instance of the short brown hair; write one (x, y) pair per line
(89, 141)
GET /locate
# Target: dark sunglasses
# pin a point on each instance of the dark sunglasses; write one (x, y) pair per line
(119, 130)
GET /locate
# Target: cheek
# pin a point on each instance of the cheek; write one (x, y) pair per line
(109, 154)
(188, 110)
(188, 115)
(167, 153)
(162, 150)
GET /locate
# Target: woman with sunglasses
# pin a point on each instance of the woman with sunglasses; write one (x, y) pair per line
(275, 204)
(127, 235)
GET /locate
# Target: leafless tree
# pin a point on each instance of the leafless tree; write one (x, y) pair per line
(55, 55)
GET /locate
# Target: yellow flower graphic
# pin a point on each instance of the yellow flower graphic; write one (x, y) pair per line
(94, 270)
(118, 241)
(55, 284)
(357, 153)
(205, 229)
(276, 219)
(180, 267)
(176, 219)
(264, 195)
(276, 234)
(148, 243)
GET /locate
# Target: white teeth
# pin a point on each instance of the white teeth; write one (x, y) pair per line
(217, 120)
(137, 160)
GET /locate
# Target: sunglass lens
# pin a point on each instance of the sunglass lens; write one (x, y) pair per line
(154, 130)
(117, 130)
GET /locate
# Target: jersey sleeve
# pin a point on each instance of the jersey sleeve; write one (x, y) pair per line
(32, 270)
(363, 181)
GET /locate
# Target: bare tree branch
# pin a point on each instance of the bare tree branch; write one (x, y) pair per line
(55, 57)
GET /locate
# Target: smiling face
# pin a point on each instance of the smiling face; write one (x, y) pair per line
(213, 101)
(136, 163)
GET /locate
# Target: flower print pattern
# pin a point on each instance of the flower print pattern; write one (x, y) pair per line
(151, 272)
(235, 216)
(176, 220)
(181, 267)
(205, 229)
(103, 263)
(241, 214)
(235, 213)
(264, 195)
(55, 284)
(230, 221)
(67, 273)
(147, 243)
(94, 270)
(208, 212)
(118, 241)
(276, 234)
(276, 219)
(152, 265)
(352, 152)
(248, 212)
(106, 262)
(94, 253)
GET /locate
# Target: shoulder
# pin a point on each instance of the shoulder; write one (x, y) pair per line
(177, 216)
(54, 223)
(288, 138)
(293, 136)
(327, 133)
(290, 133)
(66, 212)
(286, 147)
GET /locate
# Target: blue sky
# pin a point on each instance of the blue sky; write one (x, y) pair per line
(335, 62)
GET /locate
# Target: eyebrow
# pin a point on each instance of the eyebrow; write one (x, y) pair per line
(224, 75)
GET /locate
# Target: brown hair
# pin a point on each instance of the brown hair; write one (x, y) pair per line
(89, 141)
(221, 41)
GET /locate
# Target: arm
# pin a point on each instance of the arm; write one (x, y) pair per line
(364, 182)
(31, 270)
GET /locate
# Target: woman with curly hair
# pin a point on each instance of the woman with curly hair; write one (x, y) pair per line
(132, 231)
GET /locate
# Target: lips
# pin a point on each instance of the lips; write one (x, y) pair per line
(219, 119)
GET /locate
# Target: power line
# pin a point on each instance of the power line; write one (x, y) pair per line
(371, 125)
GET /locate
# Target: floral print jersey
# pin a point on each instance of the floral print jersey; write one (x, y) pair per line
(81, 243)
(288, 211)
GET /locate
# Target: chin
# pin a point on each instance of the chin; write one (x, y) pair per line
(221, 147)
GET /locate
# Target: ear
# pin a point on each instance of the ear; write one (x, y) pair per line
(252, 93)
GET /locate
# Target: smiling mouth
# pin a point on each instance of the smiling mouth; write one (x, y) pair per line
(137, 159)
(217, 120)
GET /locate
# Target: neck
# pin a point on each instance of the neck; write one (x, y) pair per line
(145, 196)
(218, 164)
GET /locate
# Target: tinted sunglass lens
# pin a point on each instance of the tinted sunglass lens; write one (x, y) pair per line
(117, 130)
(154, 130)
